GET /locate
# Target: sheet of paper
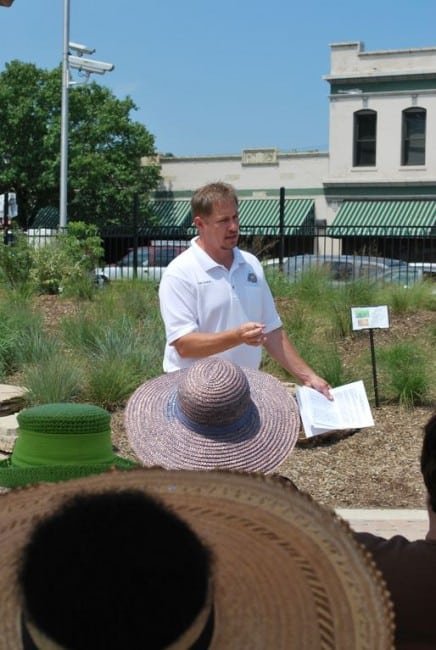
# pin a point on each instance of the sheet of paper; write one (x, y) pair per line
(349, 410)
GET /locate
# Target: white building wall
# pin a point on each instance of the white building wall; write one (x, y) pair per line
(350, 65)
(350, 59)
(389, 110)
(293, 171)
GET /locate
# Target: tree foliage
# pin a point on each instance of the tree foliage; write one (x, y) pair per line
(105, 147)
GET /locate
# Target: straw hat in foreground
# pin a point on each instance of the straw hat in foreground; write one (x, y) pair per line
(287, 572)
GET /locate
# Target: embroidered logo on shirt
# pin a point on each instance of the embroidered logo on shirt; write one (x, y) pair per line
(252, 277)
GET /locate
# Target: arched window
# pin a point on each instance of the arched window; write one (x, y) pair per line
(365, 138)
(413, 144)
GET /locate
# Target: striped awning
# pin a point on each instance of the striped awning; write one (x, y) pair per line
(384, 219)
(47, 217)
(262, 216)
(174, 214)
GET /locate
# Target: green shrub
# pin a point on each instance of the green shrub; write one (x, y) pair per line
(56, 378)
(406, 373)
(111, 381)
(17, 322)
(121, 358)
(53, 267)
(67, 261)
(402, 300)
(314, 289)
(16, 261)
(83, 244)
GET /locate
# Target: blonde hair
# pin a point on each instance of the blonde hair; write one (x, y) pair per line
(205, 198)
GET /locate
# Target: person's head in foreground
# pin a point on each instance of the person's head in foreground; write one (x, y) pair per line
(114, 568)
(156, 559)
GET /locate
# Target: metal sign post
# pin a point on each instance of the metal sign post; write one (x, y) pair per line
(371, 318)
(374, 371)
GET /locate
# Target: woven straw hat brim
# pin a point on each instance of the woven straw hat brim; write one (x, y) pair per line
(159, 438)
(288, 572)
(12, 477)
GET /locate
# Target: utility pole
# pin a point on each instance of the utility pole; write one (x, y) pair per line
(87, 67)
(64, 118)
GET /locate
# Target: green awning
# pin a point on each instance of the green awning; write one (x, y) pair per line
(172, 214)
(262, 216)
(384, 219)
(46, 218)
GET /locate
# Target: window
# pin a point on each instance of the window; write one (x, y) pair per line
(365, 138)
(413, 149)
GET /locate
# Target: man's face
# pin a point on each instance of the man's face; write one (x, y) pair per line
(220, 230)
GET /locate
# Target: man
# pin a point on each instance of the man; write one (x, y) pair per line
(214, 298)
(409, 568)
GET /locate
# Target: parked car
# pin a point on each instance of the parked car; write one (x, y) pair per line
(151, 262)
(405, 276)
(341, 269)
(428, 269)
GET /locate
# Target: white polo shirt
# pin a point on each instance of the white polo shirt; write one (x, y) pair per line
(198, 295)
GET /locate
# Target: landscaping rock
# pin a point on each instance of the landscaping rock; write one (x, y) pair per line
(12, 400)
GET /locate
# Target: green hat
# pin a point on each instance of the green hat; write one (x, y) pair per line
(57, 442)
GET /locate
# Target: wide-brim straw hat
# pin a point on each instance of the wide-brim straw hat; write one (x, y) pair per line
(213, 414)
(60, 441)
(288, 572)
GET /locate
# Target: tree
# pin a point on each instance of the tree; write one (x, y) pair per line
(105, 148)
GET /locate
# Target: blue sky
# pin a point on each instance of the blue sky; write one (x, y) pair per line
(218, 77)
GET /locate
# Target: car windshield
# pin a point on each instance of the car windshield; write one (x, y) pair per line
(127, 260)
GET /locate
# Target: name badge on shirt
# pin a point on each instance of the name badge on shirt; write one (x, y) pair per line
(252, 277)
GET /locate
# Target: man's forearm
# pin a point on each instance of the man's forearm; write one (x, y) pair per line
(203, 344)
(281, 349)
(200, 344)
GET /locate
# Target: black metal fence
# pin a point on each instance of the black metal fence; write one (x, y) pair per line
(156, 246)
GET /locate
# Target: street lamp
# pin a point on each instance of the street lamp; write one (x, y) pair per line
(87, 66)
(5, 3)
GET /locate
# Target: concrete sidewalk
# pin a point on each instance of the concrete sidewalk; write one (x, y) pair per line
(387, 522)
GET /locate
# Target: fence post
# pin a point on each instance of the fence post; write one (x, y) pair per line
(282, 228)
(135, 233)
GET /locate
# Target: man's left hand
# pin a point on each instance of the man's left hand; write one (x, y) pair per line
(320, 384)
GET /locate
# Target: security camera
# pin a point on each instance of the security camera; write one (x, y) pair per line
(80, 49)
(89, 65)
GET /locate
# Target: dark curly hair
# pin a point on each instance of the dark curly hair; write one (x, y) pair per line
(114, 570)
